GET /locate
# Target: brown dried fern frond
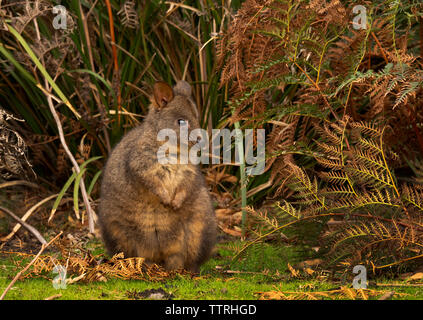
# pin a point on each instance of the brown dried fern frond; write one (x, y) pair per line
(413, 195)
(88, 268)
(129, 268)
(343, 292)
(129, 15)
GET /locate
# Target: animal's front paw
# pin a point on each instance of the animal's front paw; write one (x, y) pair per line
(164, 196)
(178, 199)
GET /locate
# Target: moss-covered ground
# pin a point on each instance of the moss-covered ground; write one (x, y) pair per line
(263, 269)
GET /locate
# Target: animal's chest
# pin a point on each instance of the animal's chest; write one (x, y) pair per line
(159, 227)
(177, 176)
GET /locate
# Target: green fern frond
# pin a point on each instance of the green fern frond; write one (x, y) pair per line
(369, 145)
(350, 234)
(307, 190)
(315, 209)
(334, 150)
(377, 197)
(409, 89)
(338, 191)
(342, 204)
(372, 129)
(265, 219)
(331, 164)
(371, 159)
(287, 208)
(355, 77)
(376, 231)
(305, 200)
(337, 177)
(327, 134)
(371, 176)
(413, 196)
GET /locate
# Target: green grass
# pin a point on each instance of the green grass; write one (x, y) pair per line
(265, 269)
(210, 284)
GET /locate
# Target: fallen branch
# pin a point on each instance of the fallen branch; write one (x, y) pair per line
(26, 216)
(43, 247)
(25, 225)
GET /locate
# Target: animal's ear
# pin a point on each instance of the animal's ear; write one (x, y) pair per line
(182, 88)
(163, 94)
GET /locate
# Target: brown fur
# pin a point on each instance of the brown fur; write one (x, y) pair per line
(160, 212)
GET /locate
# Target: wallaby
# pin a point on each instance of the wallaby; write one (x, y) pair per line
(162, 212)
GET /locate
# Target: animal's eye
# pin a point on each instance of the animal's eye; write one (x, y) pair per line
(182, 122)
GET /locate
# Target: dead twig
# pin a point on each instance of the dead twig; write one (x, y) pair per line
(399, 284)
(43, 247)
(53, 297)
(25, 225)
(47, 91)
(18, 182)
(387, 296)
(26, 216)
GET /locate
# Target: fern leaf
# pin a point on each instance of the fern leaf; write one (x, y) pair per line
(413, 196)
(371, 176)
(288, 209)
(334, 177)
(331, 164)
(334, 150)
(371, 129)
(338, 191)
(375, 198)
(368, 158)
(369, 145)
